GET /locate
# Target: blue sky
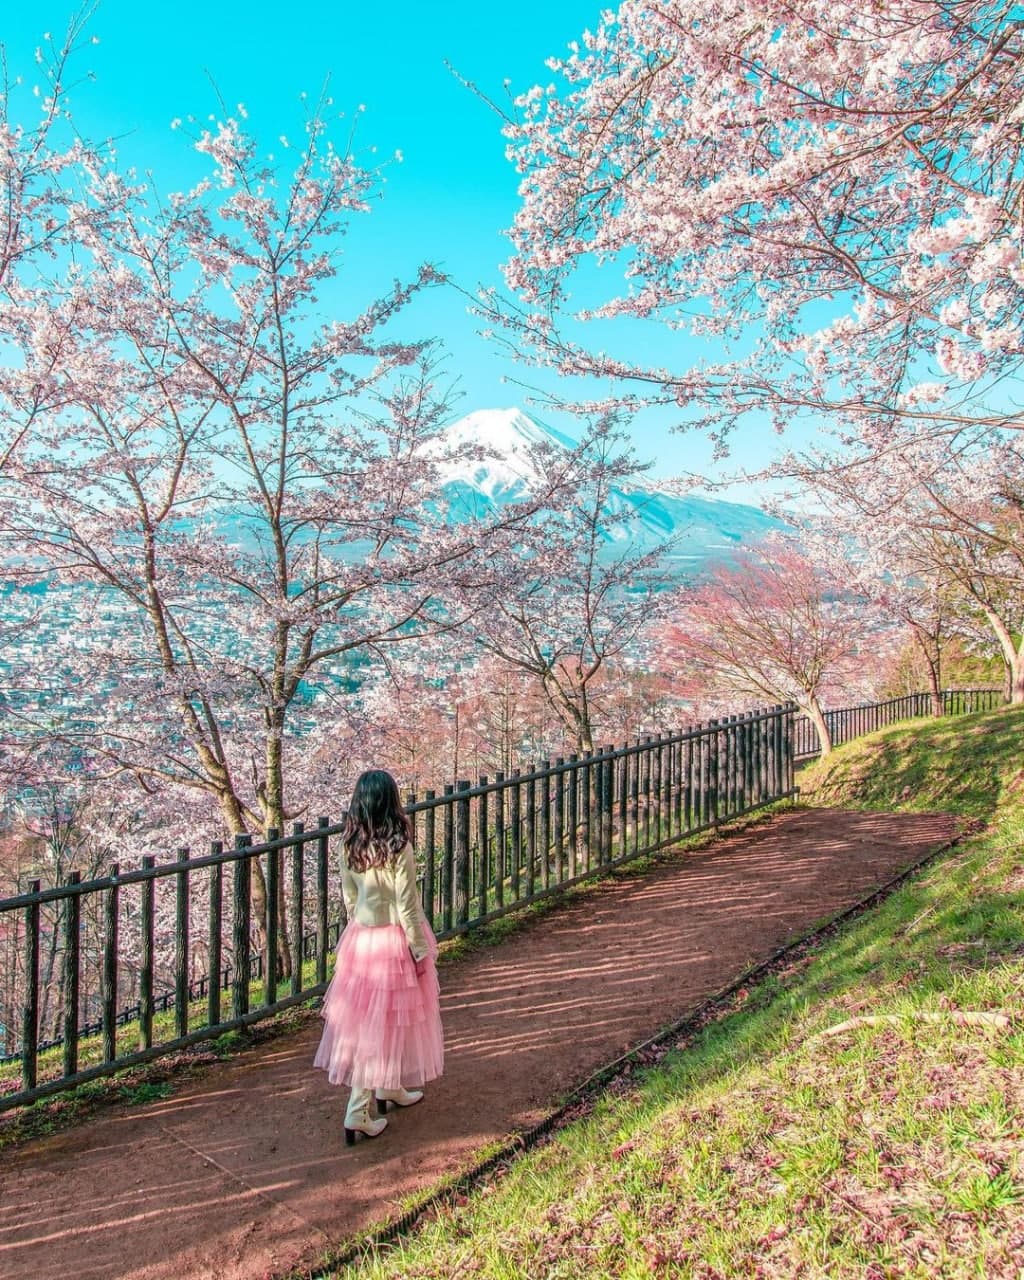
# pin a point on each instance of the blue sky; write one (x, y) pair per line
(449, 199)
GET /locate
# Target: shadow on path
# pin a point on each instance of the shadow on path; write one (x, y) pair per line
(244, 1173)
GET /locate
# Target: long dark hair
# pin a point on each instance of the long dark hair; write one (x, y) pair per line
(376, 826)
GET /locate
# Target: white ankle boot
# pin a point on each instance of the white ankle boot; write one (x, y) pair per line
(357, 1117)
(400, 1097)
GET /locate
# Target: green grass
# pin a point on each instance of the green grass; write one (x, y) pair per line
(761, 1147)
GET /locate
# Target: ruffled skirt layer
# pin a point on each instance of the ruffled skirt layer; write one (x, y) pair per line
(382, 1020)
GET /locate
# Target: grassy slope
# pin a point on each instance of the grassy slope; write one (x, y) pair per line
(764, 1149)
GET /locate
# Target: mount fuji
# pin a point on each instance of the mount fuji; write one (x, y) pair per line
(509, 449)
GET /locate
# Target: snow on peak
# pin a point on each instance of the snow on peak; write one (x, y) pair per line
(503, 431)
(496, 450)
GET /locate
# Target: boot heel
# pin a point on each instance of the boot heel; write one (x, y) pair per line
(350, 1137)
(382, 1106)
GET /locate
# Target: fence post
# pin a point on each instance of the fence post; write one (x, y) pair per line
(240, 934)
(448, 869)
(713, 771)
(30, 1012)
(558, 821)
(531, 835)
(322, 857)
(516, 821)
(214, 935)
(573, 818)
(147, 890)
(462, 886)
(108, 978)
(484, 843)
(271, 921)
(500, 858)
(544, 835)
(297, 923)
(181, 946)
(657, 786)
(429, 832)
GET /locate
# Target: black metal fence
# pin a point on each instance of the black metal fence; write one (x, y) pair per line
(482, 849)
(852, 722)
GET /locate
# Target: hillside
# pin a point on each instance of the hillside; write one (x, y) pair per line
(859, 1114)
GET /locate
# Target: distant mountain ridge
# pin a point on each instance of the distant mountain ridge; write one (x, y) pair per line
(705, 530)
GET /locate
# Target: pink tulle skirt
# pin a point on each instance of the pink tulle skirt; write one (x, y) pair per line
(382, 1021)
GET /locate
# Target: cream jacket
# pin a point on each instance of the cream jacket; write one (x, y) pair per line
(387, 895)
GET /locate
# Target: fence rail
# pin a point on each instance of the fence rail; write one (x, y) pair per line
(483, 848)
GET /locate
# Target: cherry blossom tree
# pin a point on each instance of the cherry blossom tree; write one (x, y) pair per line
(40, 163)
(772, 628)
(939, 532)
(839, 186)
(235, 501)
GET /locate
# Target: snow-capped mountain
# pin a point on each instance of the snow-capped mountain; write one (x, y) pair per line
(509, 450)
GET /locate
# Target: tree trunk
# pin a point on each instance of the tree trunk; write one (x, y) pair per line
(932, 654)
(1015, 680)
(812, 707)
(274, 817)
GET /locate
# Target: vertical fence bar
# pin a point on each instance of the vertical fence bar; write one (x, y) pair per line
(448, 869)
(462, 854)
(671, 789)
(572, 815)
(429, 866)
(558, 822)
(147, 890)
(623, 803)
(644, 760)
(634, 796)
(214, 946)
(108, 980)
(484, 840)
(714, 779)
(749, 723)
(544, 823)
(241, 954)
(700, 777)
(30, 1010)
(607, 802)
(516, 819)
(500, 852)
(270, 924)
(727, 793)
(531, 836)
(587, 809)
(181, 949)
(657, 785)
(71, 973)
(600, 804)
(297, 922)
(321, 899)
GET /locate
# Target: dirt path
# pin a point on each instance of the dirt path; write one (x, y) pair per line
(244, 1173)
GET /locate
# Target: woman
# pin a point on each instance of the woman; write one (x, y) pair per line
(382, 1019)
